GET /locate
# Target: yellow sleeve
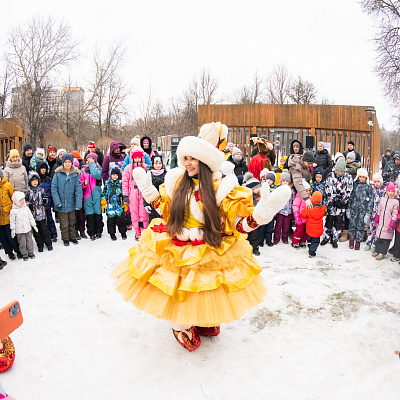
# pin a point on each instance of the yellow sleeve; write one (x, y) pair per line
(164, 203)
(238, 203)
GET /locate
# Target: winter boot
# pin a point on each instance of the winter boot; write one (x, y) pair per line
(208, 331)
(189, 338)
(357, 246)
(324, 242)
(345, 236)
(83, 235)
(113, 237)
(367, 247)
(379, 257)
(334, 244)
(351, 242)
(2, 263)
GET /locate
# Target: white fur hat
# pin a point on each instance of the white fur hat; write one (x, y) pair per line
(305, 184)
(205, 146)
(362, 172)
(40, 150)
(338, 155)
(17, 196)
(135, 141)
(377, 177)
(227, 168)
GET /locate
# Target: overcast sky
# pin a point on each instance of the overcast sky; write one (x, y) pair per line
(326, 42)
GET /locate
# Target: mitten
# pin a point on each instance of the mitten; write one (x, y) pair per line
(391, 225)
(348, 214)
(367, 219)
(270, 203)
(145, 184)
(12, 233)
(125, 207)
(126, 200)
(376, 220)
(103, 205)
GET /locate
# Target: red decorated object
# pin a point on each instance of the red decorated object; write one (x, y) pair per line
(189, 338)
(208, 330)
(160, 228)
(7, 354)
(198, 195)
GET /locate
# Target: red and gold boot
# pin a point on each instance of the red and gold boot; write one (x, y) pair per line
(7, 354)
(208, 330)
(188, 338)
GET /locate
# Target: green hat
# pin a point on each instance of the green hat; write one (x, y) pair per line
(340, 164)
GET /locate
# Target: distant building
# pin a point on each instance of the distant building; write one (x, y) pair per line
(56, 101)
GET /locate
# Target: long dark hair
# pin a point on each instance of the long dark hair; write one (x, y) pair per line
(179, 209)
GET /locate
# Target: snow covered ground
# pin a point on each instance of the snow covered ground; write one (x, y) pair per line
(327, 329)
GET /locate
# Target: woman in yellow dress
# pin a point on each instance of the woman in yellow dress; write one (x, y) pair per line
(193, 266)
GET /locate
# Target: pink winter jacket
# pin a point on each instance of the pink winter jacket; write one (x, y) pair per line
(129, 188)
(298, 205)
(387, 211)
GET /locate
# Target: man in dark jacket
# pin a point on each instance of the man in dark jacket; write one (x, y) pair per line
(350, 147)
(323, 159)
(393, 170)
(236, 158)
(26, 157)
(386, 157)
(92, 149)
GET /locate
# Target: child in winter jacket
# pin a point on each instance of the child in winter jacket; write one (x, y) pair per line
(91, 184)
(36, 200)
(21, 223)
(284, 216)
(45, 184)
(338, 188)
(265, 231)
(359, 208)
(114, 159)
(378, 191)
(66, 190)
(38, 156)
(112, 203)
(385, 220)
(158, 173)
(299, 235)
(15, 172)
(9, 243)
(314, 222)
(253, 236)
(317, 183)
(132, 195)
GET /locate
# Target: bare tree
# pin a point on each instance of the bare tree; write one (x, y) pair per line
(302, 92)
(387, 41)
(35, 51)
(278, 85)
(251, 94)
(5, 92)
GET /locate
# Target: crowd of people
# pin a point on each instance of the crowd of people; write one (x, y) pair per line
(75, 191)
(332, 200)
(41, 190)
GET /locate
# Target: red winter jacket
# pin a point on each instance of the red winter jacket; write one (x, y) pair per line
(314, 216)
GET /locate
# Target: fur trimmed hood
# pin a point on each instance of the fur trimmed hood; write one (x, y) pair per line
(73, 169)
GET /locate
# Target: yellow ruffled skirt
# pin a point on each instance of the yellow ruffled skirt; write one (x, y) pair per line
(190, 284)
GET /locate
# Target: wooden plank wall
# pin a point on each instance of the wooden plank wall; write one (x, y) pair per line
(12, 136)
(320, 117)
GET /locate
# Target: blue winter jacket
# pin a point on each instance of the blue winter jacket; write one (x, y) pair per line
(67, 190)
(128, 160)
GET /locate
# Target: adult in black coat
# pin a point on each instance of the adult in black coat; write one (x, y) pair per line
(296, 147)
(387, 157)
(236, 158)
(350, 147)
(323, 159)
(26, 157)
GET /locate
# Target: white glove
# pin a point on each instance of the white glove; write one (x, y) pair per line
(35, 228)
(13, 233)
(145, 185)
(270, 203)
